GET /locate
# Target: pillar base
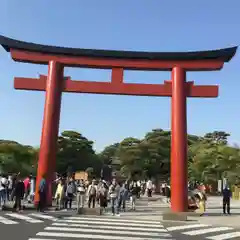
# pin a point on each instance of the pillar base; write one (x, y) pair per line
(175, 216)
(90, 211)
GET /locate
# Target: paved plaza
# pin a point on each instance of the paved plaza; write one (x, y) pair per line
(145, 223)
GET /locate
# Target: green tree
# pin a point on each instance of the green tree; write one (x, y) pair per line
(130, 156)
(217, 137)
(15, 158)
(76, 152)
(108, 154)
(211, 158)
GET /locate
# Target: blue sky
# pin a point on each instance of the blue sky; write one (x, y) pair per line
(139, 25)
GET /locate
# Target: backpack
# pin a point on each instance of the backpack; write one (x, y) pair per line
(93, 191)
(70, 188)
(133, 189)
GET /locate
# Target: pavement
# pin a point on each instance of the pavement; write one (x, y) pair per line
(199, 231)
(22, 226)
(145, 223)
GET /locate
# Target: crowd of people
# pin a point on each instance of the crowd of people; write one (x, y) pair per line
(113, 194)
(104, 194)
(14, 188)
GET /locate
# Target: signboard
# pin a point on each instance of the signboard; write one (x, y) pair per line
(81, 175)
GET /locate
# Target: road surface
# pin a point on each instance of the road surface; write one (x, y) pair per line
(145, 223)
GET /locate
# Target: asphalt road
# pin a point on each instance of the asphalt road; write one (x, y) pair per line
(68, 225)
(198, 231)
(14, 226)
(142, 224)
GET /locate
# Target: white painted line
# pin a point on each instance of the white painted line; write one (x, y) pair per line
(91, 236)
(25, 218)
(225, 236)
(7, 221)
(110, 223)
(42, 216)
(106, 231)
(112, 220)
(42, 239)
(110, 227)
(183, 227)
(207, 230)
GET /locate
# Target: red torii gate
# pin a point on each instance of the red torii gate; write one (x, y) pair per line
(55, 83)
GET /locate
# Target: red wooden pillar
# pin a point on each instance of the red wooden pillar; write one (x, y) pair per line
(48, 147)
(179, 165)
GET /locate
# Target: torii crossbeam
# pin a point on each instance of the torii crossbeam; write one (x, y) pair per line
(177, 88)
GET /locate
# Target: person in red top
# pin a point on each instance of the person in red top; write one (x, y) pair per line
(26, 187)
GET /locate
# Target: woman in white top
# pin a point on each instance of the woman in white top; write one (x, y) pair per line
(81, 191)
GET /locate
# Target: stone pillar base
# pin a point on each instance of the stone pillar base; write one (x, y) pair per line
(174, 216)
(90, 211)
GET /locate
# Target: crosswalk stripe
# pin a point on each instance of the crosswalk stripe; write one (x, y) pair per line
(42, 239)
(110, 227)
(106, 231)
(225, 236)
(7, 221)
(92, 236)
(183, 227)
(42, 216)
(111, 220)
(129, 223)
(22, 217)
(207, 230)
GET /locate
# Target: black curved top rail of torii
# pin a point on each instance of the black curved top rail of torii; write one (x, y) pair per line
(221, 55)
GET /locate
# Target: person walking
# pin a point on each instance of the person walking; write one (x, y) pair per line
(122, 197)
(227, 194)
(18, 194)
(168, 193)
(27, 185)
(149, 188)
(81, 192)
(133, 189)
(70, 193)
(102, 196)
(59, 195)
(113, 194)
(92, 194)
(3, 191)
(42, 190)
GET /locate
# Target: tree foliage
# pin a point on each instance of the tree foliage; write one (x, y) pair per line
(75, 153)
(209, 157)
(15, 158)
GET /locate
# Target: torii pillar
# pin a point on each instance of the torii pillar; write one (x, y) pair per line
(52, 109)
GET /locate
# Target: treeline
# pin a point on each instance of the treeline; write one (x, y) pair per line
(209, 157)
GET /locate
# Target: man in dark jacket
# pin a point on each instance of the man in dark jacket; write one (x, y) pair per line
(227, 194)
(18, 193)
